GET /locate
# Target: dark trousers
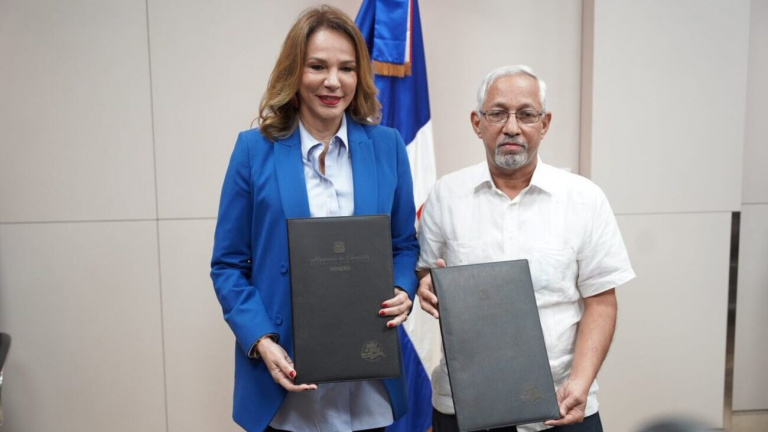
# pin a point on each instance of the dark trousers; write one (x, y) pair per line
(447, 423)
(271, 429)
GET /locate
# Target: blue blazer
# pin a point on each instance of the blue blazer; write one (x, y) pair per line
(263, 186)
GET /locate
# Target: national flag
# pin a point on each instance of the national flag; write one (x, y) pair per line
(392, 30)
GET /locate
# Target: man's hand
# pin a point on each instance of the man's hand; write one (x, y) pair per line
(427, 297)
(572, 399)
(592, 341)
(398, 306)
(280, 366)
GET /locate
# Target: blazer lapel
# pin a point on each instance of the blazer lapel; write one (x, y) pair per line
(363, 169)
(290, 177)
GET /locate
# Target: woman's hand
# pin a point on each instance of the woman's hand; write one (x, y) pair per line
(398, 306)
(280, 366)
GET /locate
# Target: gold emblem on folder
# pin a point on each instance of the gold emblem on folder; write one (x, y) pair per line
(530, 393)
(339, 247)
(372, 351)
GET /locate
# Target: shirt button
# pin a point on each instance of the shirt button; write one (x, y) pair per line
(278, 319)
(283, 268)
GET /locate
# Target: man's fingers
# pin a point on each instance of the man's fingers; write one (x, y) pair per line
(428, 296)
(571, 410)
(428, 308)
(569, 418)
(428, 303)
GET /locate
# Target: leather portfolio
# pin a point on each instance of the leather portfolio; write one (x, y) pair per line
(494, 347)
(341, 272)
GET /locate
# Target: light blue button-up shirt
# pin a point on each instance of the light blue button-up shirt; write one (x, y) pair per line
(345, 406)
(332, 193)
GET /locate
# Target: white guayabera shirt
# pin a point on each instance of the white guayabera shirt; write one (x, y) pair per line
(561, 223)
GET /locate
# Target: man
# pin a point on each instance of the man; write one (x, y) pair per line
(513, 206)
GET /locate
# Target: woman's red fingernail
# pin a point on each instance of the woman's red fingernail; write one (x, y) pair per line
(383, 305)
(390, 325)
(382, 313)
(292, 374)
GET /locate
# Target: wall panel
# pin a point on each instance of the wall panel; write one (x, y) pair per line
(756, 135)
(669, 104)
(82, 303)
(199, 347)
(75, 113)
(668, 354)
(750, 380)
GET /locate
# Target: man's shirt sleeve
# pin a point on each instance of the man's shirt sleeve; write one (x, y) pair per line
(602, 258)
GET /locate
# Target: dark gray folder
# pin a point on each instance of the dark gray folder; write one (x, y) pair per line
(341, 272)
(494, 347)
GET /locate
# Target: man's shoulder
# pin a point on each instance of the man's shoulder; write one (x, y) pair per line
(569, 185)
(461, 181)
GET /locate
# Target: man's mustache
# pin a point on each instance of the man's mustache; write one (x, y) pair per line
(513, 140)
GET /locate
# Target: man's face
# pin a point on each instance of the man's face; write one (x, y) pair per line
(511, 145)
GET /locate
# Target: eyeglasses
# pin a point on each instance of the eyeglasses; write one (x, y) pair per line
(526, 116)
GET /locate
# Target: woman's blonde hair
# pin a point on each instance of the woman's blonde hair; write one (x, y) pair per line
(278, 112)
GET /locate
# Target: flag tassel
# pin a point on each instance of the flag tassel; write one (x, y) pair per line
(391, 69)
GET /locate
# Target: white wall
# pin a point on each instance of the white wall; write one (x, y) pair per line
(750, 386)
(664, 136)
(116, 124)
(464, 41)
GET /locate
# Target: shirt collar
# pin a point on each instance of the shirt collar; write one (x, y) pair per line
(308, 141)
(543, 178)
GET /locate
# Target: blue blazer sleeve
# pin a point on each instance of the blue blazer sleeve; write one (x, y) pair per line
(241, 304)
(405, 247)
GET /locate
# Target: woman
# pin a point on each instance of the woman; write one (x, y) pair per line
(318, 152)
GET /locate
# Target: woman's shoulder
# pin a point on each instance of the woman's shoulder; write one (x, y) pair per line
(378, 132)
(252, 135)
(255, 140)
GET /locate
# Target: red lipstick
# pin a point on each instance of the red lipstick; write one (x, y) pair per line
(330, 100)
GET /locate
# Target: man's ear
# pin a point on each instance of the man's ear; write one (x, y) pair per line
(474, 117)
(545, 123)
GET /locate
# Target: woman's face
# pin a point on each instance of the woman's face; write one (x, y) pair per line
(329, 79)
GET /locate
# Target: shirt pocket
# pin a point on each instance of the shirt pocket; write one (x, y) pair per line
(553, 271)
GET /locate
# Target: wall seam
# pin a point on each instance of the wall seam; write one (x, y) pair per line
(587, 88)
(157, 219)
(213, 218)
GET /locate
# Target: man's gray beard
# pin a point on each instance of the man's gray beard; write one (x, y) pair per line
(511, 160)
